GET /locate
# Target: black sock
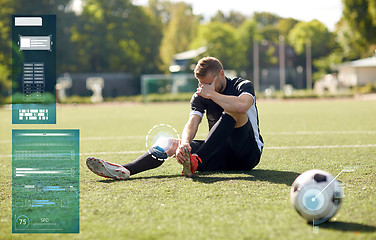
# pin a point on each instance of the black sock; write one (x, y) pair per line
(145, 162)
(217, 136)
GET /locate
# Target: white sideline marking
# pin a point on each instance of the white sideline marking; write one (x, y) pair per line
(317, 147)
(112, 137)
(106, 153)
(370, 132)
(267, 148)
(93, 153)
(319, 132)
(95, 138)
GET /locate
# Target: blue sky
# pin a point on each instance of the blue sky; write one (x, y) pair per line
(326, 11)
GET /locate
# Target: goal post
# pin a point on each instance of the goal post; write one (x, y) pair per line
(167, 83)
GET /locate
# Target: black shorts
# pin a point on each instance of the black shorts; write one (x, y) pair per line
(240, 153)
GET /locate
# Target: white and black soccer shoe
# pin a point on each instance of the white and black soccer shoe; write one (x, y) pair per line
(107, 169)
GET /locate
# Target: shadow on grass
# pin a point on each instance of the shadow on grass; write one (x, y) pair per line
(348, 227)
(138, 178)
(274, 176)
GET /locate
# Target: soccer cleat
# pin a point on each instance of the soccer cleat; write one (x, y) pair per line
(106, 169)
(190, 164)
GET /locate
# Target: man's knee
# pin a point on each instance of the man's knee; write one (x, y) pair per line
(172, 146)
(240, 118)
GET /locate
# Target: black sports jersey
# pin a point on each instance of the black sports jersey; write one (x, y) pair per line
(234, 87)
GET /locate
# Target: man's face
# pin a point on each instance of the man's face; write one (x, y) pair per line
(209, 78)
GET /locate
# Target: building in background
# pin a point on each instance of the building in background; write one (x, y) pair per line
(357, 73)
(182, 61)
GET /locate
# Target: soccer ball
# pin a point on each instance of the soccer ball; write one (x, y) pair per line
(316, 196)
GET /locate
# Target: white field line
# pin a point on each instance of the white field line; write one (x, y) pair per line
(266, 148)
(370, 132)
(96, 138)
(318, 147)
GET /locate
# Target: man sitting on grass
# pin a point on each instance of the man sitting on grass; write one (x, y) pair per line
(233, 143)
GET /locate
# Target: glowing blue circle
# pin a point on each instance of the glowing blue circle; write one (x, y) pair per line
(24, 222)
(160, 138)
(313, 199)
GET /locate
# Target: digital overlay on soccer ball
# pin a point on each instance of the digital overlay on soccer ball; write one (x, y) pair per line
(317, 196)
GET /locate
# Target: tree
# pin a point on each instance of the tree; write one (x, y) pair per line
(162, 10)
(220, 41)
(285, 25)
(179, 33)
(234, 18)
(246, 34)
(116, 36)
(361, 17)
(352, 43)
(270, 33)
(357, 28)
(314, 31)
(265, 18)
(6, 11)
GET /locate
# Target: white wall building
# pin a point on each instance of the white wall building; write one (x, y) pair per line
(357, 73)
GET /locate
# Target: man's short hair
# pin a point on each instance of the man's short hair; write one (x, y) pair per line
(206, 65)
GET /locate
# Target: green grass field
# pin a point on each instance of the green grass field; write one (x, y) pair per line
(161, 204)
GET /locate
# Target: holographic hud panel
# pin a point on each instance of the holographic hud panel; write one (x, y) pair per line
(45, 181)
(34, 69)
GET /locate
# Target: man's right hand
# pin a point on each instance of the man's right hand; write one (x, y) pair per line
(180, 153)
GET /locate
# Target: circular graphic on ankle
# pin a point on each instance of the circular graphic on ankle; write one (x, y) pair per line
(161, 140)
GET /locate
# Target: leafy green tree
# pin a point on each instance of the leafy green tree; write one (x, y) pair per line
(6, 11)
(221, 42)
(316, 33)
(234, 18)
(162, 10)
(246, 34)
(361, 17)
(180, 31)
(356, 30)
(270, 33)
(285, 25)
(352, 43)
(322, 43)
(325, 65)
(116, 36)
(266, 18)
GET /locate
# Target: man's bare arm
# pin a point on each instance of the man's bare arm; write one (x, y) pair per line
(190, 128)
(189, 132)
(233, 103)
(230, 104)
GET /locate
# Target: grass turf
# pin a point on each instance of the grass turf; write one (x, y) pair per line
(160, 204)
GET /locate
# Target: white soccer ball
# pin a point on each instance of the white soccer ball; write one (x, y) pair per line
(316, 196)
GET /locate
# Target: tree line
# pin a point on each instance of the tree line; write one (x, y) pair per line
(118, 36)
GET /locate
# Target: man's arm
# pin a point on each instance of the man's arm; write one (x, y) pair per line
(189, 132)
(233, 103)
(190, 128)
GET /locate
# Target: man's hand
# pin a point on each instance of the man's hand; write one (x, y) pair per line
(206, 90)
(180, 153)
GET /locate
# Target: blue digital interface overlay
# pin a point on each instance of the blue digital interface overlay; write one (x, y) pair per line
(45, 181)
(34, 69)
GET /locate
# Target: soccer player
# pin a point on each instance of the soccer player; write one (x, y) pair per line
(233, 143)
